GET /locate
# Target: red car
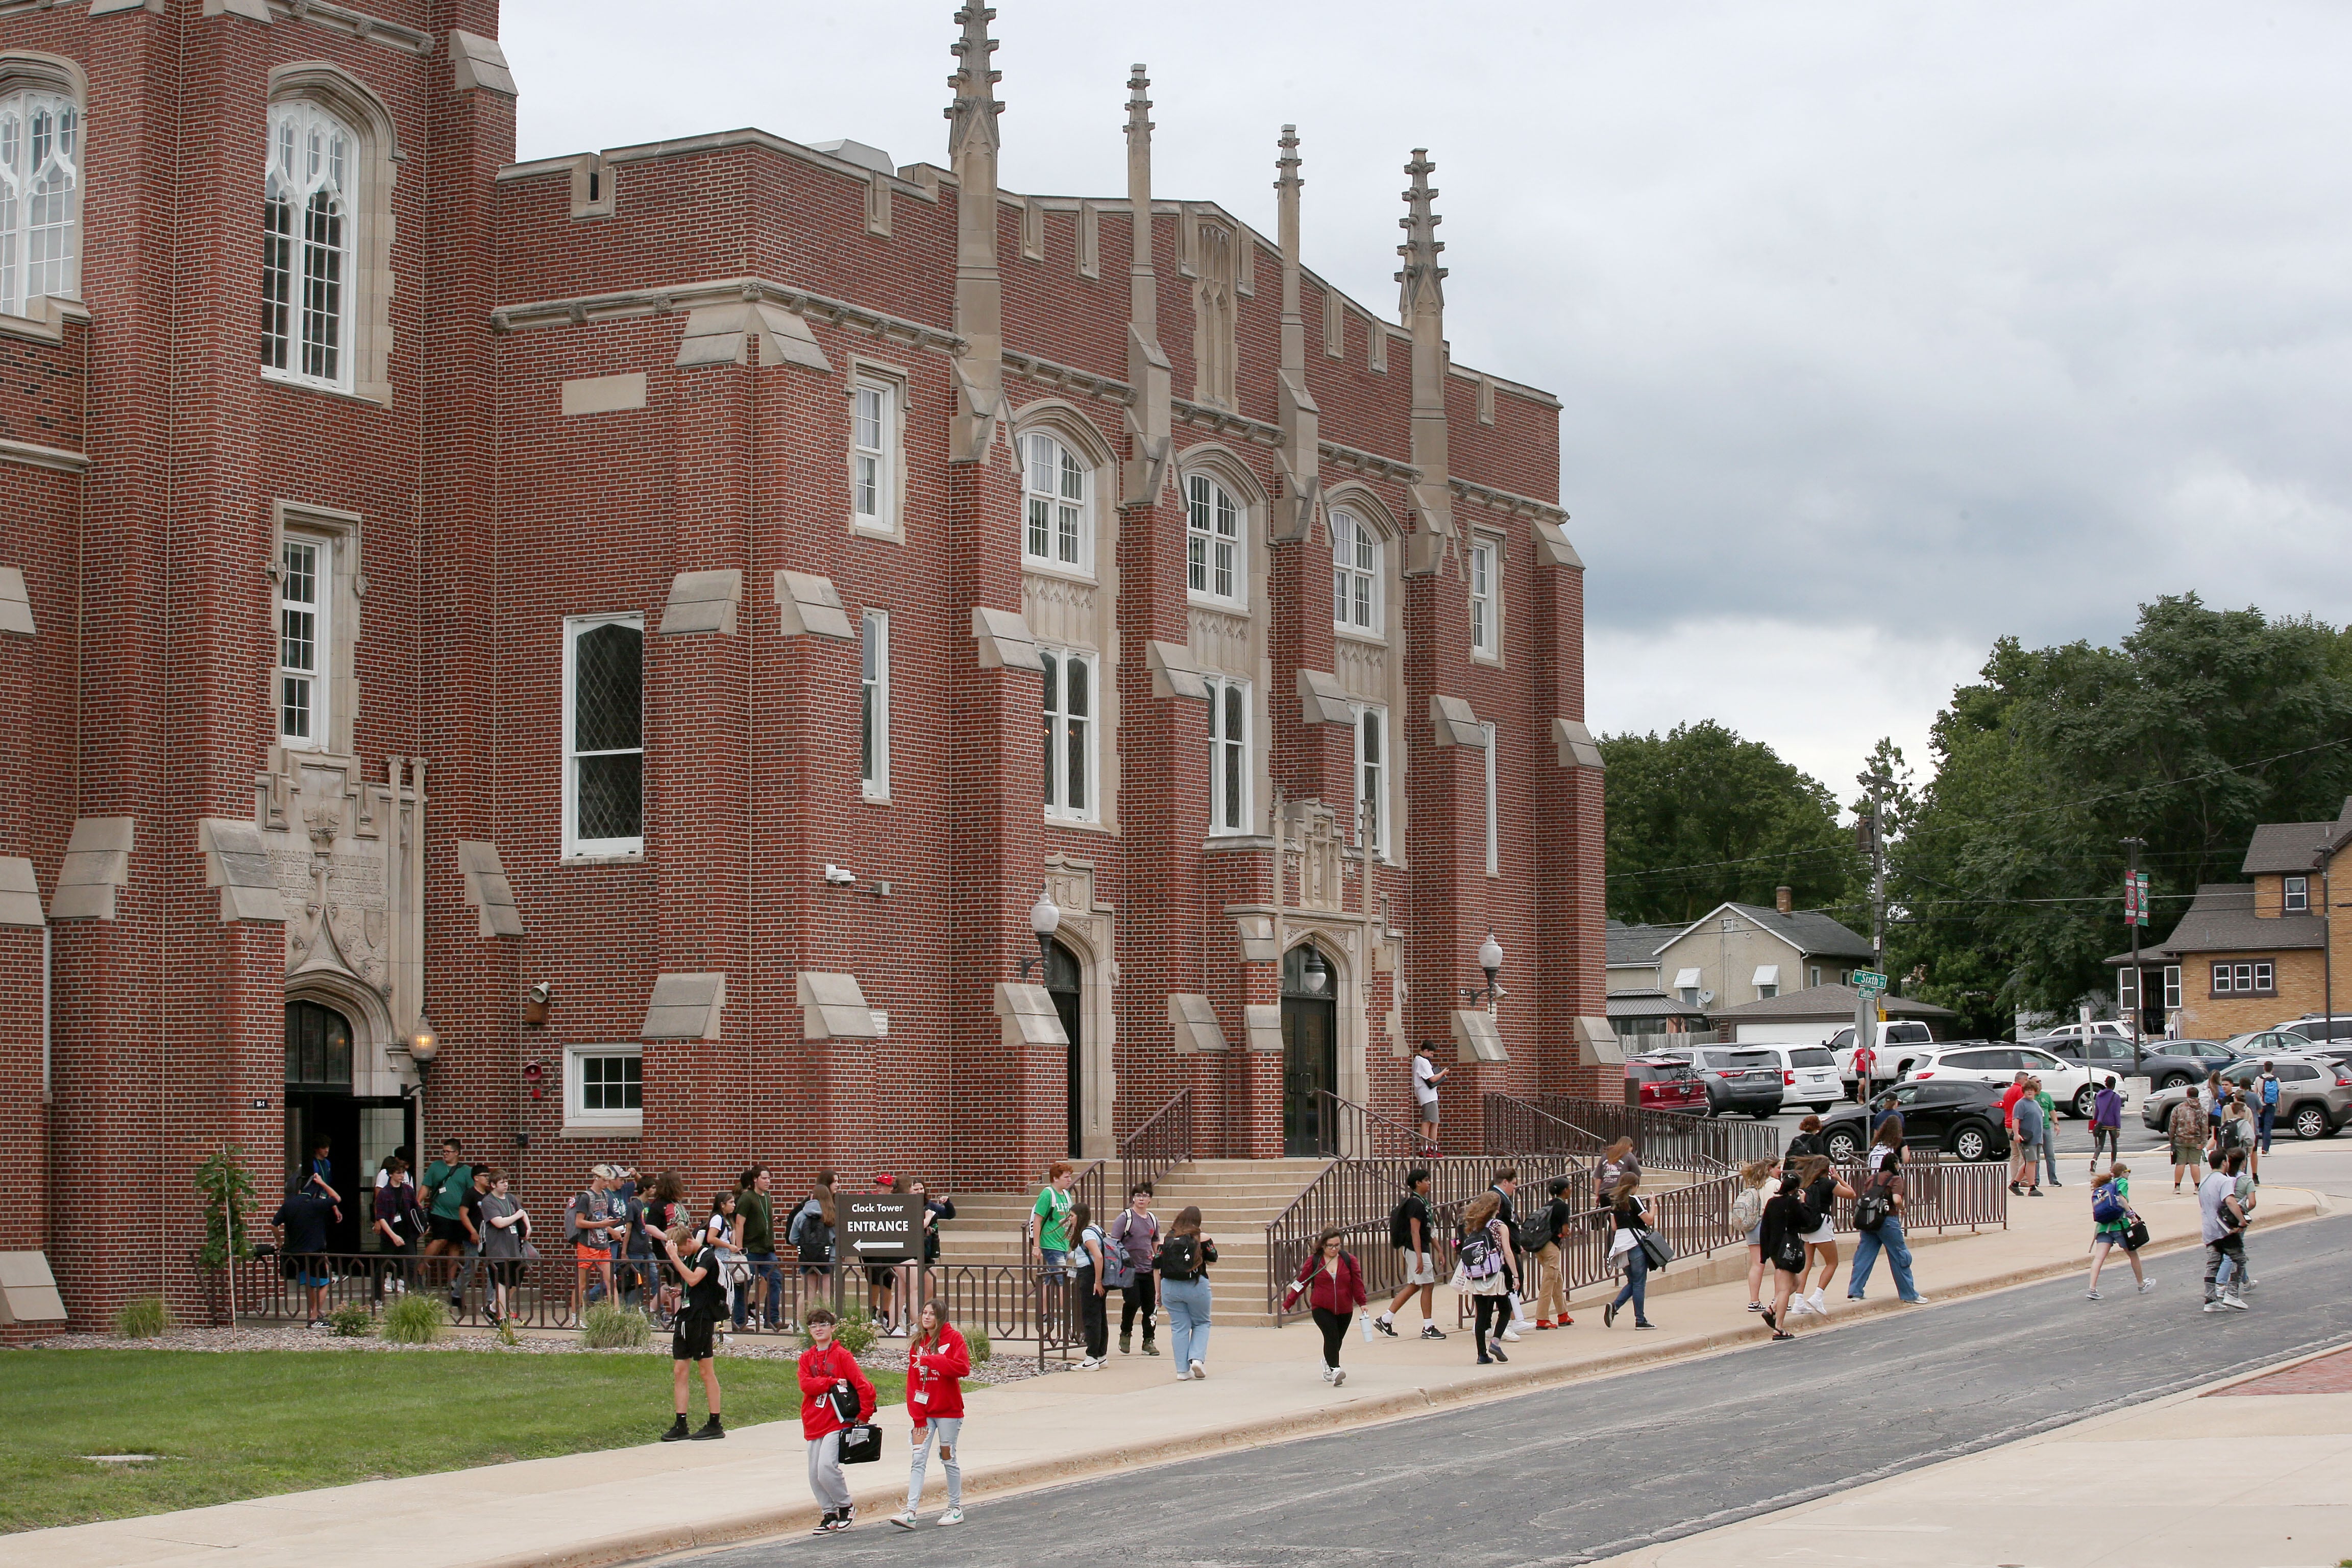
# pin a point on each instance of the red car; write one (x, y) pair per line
(1666, 1083)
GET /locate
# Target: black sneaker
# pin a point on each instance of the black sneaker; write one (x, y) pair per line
(1127, 1345)
(678, 1432)
(1432, 1331)
(1386, 1326)
(711, 1430)
(1496, 1351)
(824, 1525)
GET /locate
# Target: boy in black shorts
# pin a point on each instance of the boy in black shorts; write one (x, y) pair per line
(690, 1339)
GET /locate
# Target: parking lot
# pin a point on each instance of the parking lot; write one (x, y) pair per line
(2074, 1137)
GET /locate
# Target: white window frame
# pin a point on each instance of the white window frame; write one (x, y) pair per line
(312, 150)
(1357, 559)
(577, 1116)
(1052, 514)
(20, 171)
(2295, 896)
(1058, 719)
(319, 673)
(2172, 988)
(874, 705)
(1216, 560)
(874, 455)
(1233, 764)
(1813, 975)
(574, 847)
(1378, 788)
(1494, 840)
(1484, 568)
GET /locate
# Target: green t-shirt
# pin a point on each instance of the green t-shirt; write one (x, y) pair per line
(453, 1183)
(1053, 1212)
(753, 1208)
(2049, 1114)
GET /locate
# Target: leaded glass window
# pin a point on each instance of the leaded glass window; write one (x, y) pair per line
(1069, 735)
(308, 261)
(40, 192)
(604, 736)
(1229, 756)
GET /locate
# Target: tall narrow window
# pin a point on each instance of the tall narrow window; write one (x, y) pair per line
(1069, 735)
(873, 462)
(304, 577)
(307, 254)
(2298, 893)
(1229, 756)
(2172, 987)
(1372, 779)
(1494, 846)
(1355, 574)
(1057, 530)
(603, 735)
(1483, 627)
(40, 194)
(1213, 539)
(873, 709)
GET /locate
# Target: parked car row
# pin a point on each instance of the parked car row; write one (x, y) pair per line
(1961, 1117)
(2315, 1093)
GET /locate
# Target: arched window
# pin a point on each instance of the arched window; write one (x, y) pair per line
(1057, 532)
(40, 190)
(307, 230)
(1213, 539)
(1355, 574)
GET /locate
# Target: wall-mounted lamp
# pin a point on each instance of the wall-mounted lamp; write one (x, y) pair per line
(424, 1044)
(1490, 959)
(535, 1004)
(1044, 919)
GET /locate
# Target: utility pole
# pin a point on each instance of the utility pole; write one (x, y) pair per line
(1865, 1009)
(2134, 915)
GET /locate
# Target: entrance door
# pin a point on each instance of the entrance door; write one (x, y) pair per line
(1062, 983)
(320, 1109)
(1311, 1054)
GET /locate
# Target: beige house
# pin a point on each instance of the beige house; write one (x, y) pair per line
(1742, 953)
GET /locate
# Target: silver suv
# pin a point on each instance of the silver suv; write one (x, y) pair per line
(2314, 1094)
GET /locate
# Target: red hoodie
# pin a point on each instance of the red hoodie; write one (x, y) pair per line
(937, 1371)
(1339, 1289)
(819, 1370)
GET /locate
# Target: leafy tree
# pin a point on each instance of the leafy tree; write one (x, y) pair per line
(2202, 725)
(1700, 816)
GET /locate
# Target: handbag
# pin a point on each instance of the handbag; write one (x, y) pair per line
(861, 1443)
(2137, 1237)
(1655, 1248)
(846, 1406)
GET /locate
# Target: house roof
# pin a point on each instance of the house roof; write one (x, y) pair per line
(1822, 1004)
(1813, 933)
(1636, 944)
(1650, 1004)
(2287, 847)
(2222, 918)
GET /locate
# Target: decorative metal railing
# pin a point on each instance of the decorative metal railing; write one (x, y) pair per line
(1161, 1143)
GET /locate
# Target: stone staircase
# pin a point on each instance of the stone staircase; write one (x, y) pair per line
(1237, 1199)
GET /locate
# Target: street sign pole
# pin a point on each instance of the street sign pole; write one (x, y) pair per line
(2134, 914)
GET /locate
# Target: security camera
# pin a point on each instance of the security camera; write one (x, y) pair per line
(838, 876)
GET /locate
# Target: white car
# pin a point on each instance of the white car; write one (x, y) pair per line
(1899, 1042)
(1808, 1074)
(2071, 1084)
(2106, 1029)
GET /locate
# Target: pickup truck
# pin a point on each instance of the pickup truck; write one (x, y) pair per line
(1895, 1037)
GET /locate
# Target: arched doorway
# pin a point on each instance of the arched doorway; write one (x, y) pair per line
(1063, 975)
(320, 1106)
(1310, 1052)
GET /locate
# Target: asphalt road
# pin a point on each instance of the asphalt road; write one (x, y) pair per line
(1582, 1472)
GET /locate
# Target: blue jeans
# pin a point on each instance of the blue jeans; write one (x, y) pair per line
(1187, 1301)
(2268, 1119)
(1637, 1289)
(1888, 1238)
(2050, 1150)
(764, 1266)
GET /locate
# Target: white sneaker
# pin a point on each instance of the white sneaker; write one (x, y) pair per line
(1510, 1335)
(2248, 1284)
(1799, 1306)
(2092, 1295)
(2215, 1306)
(2238, 1302)
(1339, 1375)
(952, 1516)
(1326, 1375)
(1919, 1301)
(2146, 1284)
(1088, 1363)
(904, 1519)
(1199, 1370)
(1814, 1301)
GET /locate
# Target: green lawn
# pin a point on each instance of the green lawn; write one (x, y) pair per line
(247, 1423)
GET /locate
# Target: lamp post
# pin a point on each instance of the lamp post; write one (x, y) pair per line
(1490, 959)
(1044, 919)
(424, 1044)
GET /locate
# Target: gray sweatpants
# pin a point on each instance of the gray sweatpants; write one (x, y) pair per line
(826, 1483)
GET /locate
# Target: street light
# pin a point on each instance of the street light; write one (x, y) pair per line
(1490, 959)
(424, 1045)
(1044, 919)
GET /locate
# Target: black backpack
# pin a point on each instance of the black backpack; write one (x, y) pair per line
(1534, 1233)
(1180, 1258)
(1788, 1252)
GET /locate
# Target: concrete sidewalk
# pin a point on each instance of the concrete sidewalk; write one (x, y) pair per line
(1264, 1385)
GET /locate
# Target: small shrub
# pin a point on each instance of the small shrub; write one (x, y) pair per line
(854, 1333)
(980, 1350)
(352, 1320)
(507, 1335)
(415, 1319)
(143, 1317)
(610, 1326)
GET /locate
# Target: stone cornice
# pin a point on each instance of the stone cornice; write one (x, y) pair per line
(1067, 378)
(357, 24)
(40, 457)
(1507, 500)
(632, 304)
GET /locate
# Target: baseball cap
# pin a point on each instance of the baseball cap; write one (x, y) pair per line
(885, 1180)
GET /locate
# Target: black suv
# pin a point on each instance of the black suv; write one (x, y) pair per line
(1741, 1081)
(1958, 1117)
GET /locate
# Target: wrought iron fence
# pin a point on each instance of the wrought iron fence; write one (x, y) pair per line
(1363, 1133)
(1163, 1142)
(1660, 1137)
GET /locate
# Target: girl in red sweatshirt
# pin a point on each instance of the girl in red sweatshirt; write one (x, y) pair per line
(1333, 1284)
(826, 1367)
(938, 1361)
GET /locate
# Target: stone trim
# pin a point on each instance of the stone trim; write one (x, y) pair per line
(1262, 1021)
(97, 866)
(20, 893)
(45, 319)
(1552, 548)
(833, 1008)
(476, 62)
(811, 607)
(1597, 1043)
(108, 7)
(593, 186)
(15, 604)
(238, 862)
(685, 1007)
(35, 455)
(1028, 1015)
(1322, 700)
(1174, 673)
(1454, 723)
(1577, 748)
(1005, 640)
(634, 304)
(1475, 1037)
(368, 314)
(603, 393)
(28, 1292)
(702, 602)
(1507, 500)
(344, 533)
(487, 888)
(1256, 933)
(1194, 1020)
(318, 13)
(722, 334)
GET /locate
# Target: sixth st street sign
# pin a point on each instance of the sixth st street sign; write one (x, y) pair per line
(1868, 980)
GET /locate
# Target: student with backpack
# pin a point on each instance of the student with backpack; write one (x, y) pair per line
(690, 1341)
(1333, 1284)
(1541, 1235)
(938, 1361)
(1878, 1218)
(1747, 1215)
(1134, 1235)
(1410, 1234)
(835, 1395)
(1182, 1265)
(1482, 1270)
(1821, 1191)
(1630, 1218)
(1094, 1284)
(1786, 1221)
(2111, 1225)
(811, 1231)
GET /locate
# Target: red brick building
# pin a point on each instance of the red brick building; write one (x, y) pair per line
(642, 574)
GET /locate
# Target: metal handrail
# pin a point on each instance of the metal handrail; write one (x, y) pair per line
(1661, 1137)
(1163, 1142)
(1360, 1128)
(1513, 1126)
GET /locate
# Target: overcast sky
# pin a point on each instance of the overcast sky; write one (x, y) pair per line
(1882, 329)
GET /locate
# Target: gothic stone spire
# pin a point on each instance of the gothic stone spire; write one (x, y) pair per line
(1150, 419)
(1300, 461)
(980, 293)
(1420, 304)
